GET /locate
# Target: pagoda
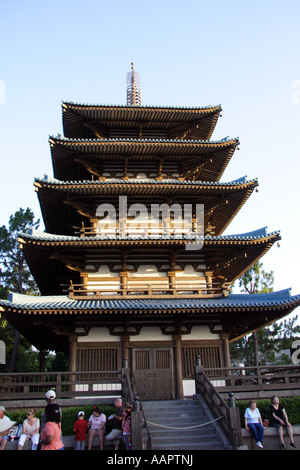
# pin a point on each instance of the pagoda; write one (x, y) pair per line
(118, 283)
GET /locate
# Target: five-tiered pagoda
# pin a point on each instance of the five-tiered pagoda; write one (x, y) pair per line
(115, 283)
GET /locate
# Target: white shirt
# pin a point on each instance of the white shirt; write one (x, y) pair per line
(252, 415)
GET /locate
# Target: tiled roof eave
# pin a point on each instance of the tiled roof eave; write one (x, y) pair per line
(258, 236)
(69, 142)
(58, 184)
(240, 189)
(70, 104)
(61, 305)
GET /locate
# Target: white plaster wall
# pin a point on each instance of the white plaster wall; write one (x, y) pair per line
(147, 334)
(151, 334)
(148, 270)
(97, 335)
(200, 333)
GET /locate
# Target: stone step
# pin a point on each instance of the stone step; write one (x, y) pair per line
(162, 404)
(180, 414)
(183, 419)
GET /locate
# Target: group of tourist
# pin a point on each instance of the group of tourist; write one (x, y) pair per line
(46, 433)
(279, 419)
(95, 427)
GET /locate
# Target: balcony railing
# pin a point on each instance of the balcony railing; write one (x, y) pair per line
(33, 385)
(142, 228)
(96, 290)
(25, 386)
(249, 380)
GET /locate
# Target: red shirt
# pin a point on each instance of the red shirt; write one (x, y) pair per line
(80, 426)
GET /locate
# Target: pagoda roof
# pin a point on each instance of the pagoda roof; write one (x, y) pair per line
(229, 256)
(40, 319)
(63, 302)
(223, 199)
(190, 155)
(90, 120)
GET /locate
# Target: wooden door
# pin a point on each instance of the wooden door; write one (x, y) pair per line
(153, 372)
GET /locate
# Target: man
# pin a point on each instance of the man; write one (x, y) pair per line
(116, 432)
(5, 425)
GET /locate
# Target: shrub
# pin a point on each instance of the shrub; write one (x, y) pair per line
(69, 416)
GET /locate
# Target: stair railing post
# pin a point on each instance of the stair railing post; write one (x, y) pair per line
(136, 425)
(198, 370)
(235, 421)
(127, 394)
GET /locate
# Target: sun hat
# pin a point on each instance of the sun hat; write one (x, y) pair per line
(6, 424)
(81, 413)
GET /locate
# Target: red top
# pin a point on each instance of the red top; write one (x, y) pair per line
(80, 426)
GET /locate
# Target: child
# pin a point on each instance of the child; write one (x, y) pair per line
(126, 425)
(80, 427)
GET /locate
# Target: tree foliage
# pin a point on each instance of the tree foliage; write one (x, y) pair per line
(264, 345)
(14, 272)
(15, 276)
(256, 280)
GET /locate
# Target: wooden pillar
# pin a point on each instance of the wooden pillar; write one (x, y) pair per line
(72, 353)
(42, 359)
(72, 359)
(125, 342)
(172, 281)
(226, 351)
(178, 366)
(208, 277)
(124, 282)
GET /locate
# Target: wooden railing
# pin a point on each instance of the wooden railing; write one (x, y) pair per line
(25, 386)
(83, 292)
(255, 379)
(33, 385)
(227, 415)
(139, 229)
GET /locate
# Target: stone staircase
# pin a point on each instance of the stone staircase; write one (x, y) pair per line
(178, 414)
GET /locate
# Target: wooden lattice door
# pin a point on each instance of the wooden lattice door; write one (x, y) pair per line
(153, 372)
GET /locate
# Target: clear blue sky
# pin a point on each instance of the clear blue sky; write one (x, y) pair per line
(243, 55)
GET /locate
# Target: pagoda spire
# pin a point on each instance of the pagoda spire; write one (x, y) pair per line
(133, 88)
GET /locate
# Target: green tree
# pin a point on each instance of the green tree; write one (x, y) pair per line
(15, 275)
(256, 281)
(265, 344)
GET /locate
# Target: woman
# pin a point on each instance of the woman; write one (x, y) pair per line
(96, 424)
(30, 430)
(253, 423)
(279, 419)
(51, 433)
